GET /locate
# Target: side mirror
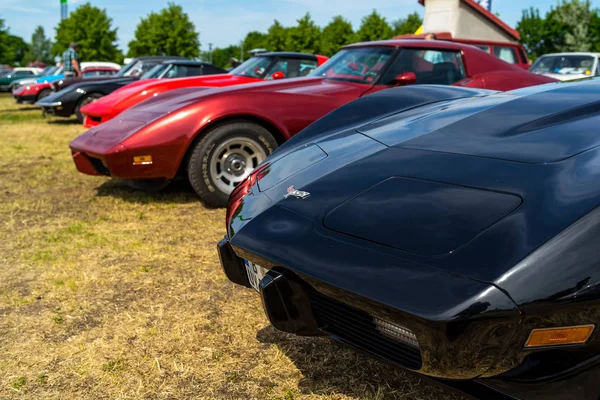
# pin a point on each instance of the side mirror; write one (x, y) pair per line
(406, 78)
(277, 75)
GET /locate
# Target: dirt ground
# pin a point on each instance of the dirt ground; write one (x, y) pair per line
(111, 293)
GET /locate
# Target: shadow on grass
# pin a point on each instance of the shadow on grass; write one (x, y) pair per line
(331, 369)
(63, 121)
(178, 191)
(21, 109)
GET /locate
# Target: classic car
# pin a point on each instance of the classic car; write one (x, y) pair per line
(8, 77)
(263, 66)
(567, 66)
(75, 95)
(215, 137)
(56, 73)
(34, 92)
(448, 231)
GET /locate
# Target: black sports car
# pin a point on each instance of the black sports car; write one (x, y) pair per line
(449, 231)
(72, 95)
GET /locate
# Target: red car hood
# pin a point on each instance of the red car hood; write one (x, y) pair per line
(176, 99)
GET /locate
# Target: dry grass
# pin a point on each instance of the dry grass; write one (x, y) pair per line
(111, 293)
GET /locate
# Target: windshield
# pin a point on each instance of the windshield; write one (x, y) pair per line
(49, 71)
(255, 67)
(564, 65)
(362, 65)
(5, 73)
(156, 71)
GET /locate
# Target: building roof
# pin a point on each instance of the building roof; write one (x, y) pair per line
(490, 16)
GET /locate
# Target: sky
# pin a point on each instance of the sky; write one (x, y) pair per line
(225, 22)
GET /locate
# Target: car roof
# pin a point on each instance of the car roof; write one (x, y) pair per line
(142, 58)
(573, 53)
(289, 54)
(186, 62)
(420, 43)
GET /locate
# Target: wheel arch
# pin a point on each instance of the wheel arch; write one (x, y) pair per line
(271, 127)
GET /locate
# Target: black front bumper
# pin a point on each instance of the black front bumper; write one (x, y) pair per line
(293, 305)
(26, 99)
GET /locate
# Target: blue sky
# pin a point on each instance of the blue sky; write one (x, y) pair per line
(224, 22)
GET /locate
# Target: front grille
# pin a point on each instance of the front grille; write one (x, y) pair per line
(357, 328)
(99, 166)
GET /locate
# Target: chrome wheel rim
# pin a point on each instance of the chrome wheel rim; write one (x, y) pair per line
(88, 100)
(232, 161)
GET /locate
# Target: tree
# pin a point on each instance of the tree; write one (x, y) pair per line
(168, 32)
(277, 37)
(531, 28)
(336, 34)
(304, 37)
(92, 29)
(40, 48)
(4, 51)
(255, 40)
(374, 27)
(222, 57)
(574, 18)
(408, 25)
(17, 48)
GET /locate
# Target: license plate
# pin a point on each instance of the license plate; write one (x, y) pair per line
(255, 273)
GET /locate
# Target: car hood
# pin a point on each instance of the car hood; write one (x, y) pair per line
(444, 184)
(308, 87)
(566, 77)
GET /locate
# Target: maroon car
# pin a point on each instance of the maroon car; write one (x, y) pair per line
(216, 137)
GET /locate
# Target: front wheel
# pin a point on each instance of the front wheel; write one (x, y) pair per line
(44, 93)
(225, 156)
(87, 99)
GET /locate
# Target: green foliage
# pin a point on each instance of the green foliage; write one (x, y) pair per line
(92, 29)
(40, 48)
(532, 27)
(570, 26)
(374, 27)
(4, 51)
(168, 32)
(277, 37)
(408, 25)
(255, 40)
(17, 48)
(221, 57)
(304, 37)
(336, 34)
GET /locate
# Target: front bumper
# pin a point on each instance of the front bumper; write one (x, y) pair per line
(56, 108)
(26, 99)
(293, 304)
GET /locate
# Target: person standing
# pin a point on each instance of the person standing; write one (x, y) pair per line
(70, 60)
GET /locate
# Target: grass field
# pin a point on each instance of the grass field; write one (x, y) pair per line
(111, 293)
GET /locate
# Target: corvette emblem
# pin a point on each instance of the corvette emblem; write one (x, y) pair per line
(291, 191)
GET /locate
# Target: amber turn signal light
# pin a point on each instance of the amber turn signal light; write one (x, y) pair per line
(142, 160)
(559, 336)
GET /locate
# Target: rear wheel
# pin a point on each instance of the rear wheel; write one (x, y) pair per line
(44, 93)
(87, 99)
(225, 156)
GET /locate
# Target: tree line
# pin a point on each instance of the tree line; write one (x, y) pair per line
(171, 32)
(571, 25)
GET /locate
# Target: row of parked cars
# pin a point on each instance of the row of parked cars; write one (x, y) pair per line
(424, 202)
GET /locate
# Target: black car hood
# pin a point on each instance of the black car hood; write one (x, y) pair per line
(451, 192)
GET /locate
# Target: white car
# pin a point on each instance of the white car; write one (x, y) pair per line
(58, 71)
(567, 66)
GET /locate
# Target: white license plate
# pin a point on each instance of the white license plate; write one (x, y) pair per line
(255, 273)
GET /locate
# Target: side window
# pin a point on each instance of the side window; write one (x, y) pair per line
(507, 54)
(23, 73)
(306, 67)
(439, 67)
(280, 66)
(210, 70)
(194, 70)
(483, 47)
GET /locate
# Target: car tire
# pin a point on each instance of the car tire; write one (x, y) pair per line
(224, 156)
(43, 93)
(84, 101)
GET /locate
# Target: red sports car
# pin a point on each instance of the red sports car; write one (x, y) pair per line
(37, 91)
(216, 136)
(264, 66)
